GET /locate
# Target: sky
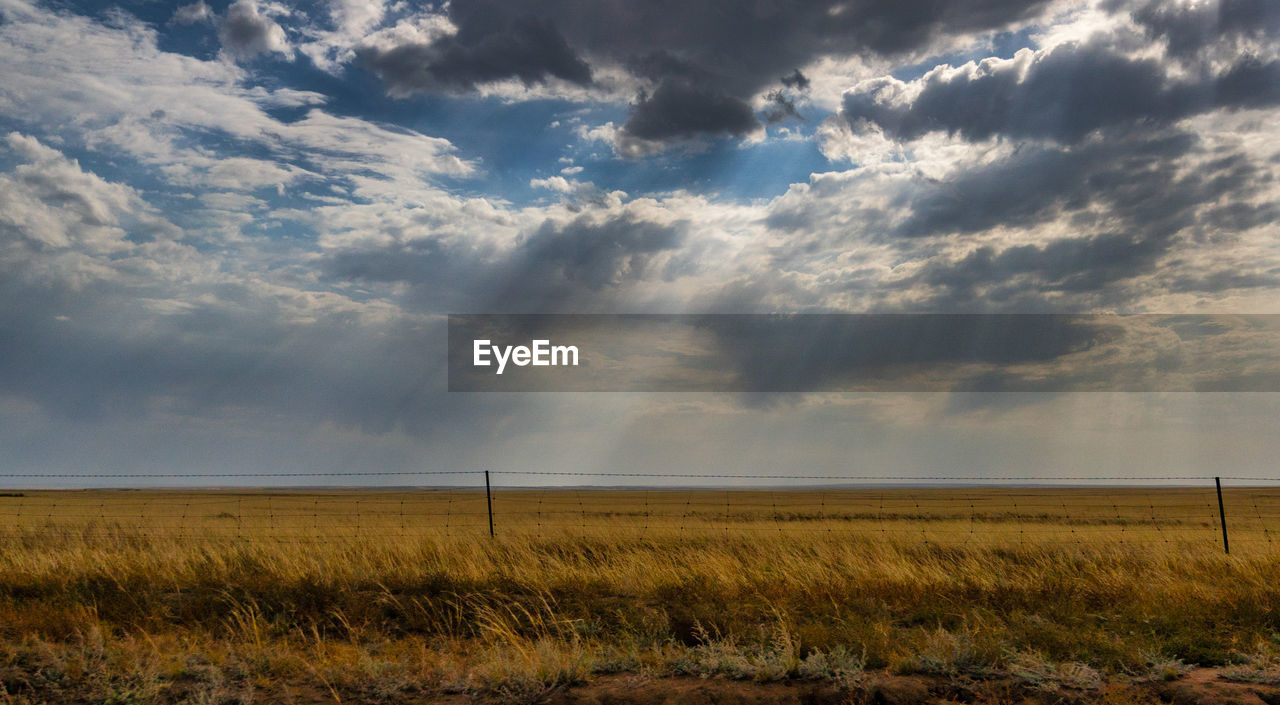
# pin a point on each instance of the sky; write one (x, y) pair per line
(230, 233)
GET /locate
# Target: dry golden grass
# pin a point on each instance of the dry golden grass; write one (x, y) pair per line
(1024, 515)
(166, 596)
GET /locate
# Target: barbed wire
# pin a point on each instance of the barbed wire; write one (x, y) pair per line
(661, 475)
(887, 478)
(136, 476)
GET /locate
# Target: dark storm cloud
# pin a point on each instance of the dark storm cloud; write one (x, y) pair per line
(816, 352)
(246, 32)
(525, 48)
(711, 55)
(750, 45)
(1224, 280)
(679, 110)
(444, 276)
(580, 264)
(1131, 182)
(1085, 219)
(1099, 151)
(1188, 28)
(1064, 95)
(593, 255)
(1073, 264)
(796, 80)
(781, 107)
(1249, 84)
(1131, 177)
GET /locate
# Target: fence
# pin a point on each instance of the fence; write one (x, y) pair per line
(1221, 513)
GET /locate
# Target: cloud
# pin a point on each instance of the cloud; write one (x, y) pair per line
(1097, 171)
(689, 58)
(1118, 220)
(591, 254)
(806, 353)
(1015, 275)
(1130, 178)
(50, 204)
(246, 32)
(350, 22)
(1063, 93)
(678, 110)
(111, 314)
(780, 107)
(1189, 28)
(348, 144)
(590, 261)
(525, 48)
(192, 14)
(796, 80)
(131, 99)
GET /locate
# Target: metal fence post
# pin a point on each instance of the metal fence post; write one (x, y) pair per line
(1222, 516)
(488, 496)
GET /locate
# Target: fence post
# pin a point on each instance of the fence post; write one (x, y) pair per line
(1222, 516)
(488, 496)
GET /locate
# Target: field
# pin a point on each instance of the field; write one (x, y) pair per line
(612, 595)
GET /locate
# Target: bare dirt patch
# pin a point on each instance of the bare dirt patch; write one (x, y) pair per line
(1206, 686)
(1200, 687)
(1203, 686)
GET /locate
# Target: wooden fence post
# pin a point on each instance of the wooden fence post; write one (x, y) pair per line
(1222, 516)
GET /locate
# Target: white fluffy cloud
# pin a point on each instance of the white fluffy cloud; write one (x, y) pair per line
(112, 87)
(49, 203)
(197, 11)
